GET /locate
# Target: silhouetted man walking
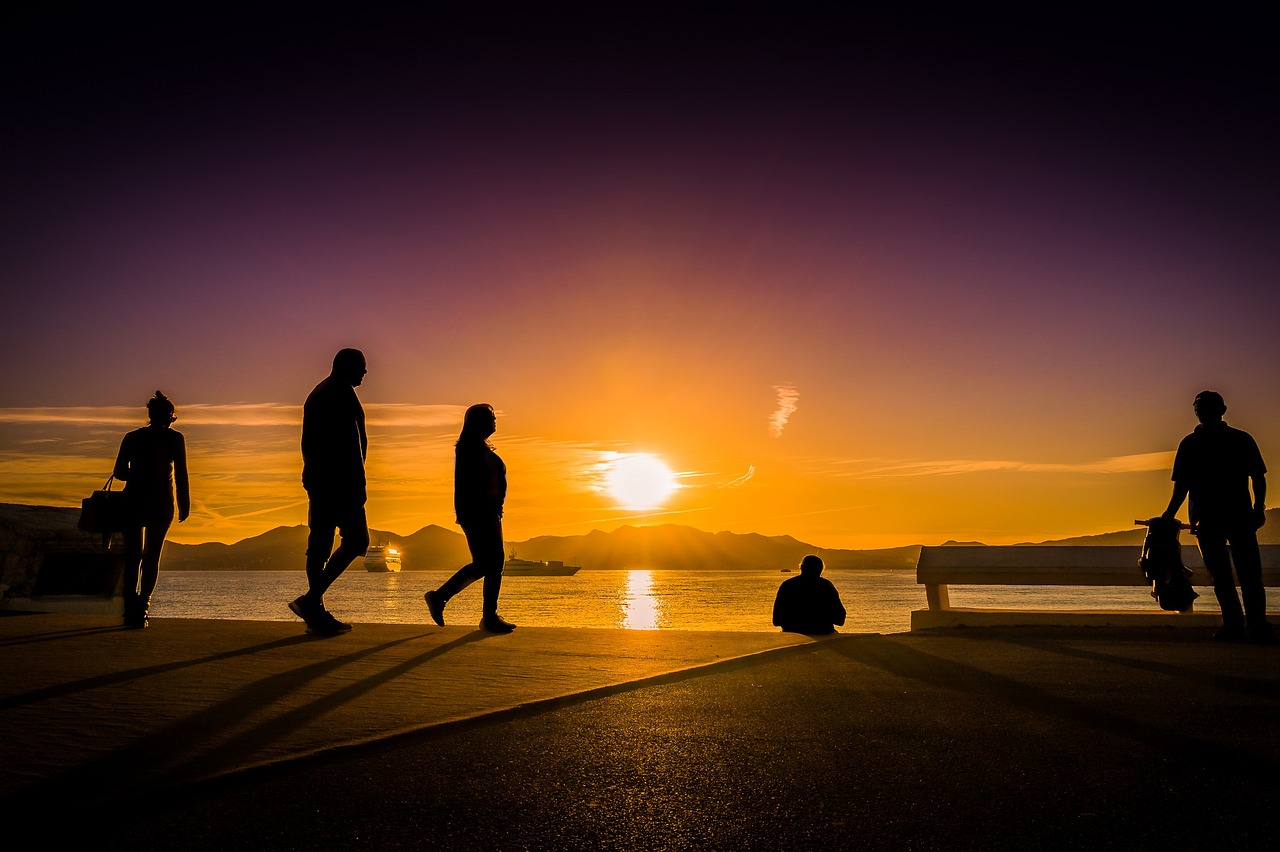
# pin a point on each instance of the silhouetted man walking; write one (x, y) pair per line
(1215, 465)
(334, 446)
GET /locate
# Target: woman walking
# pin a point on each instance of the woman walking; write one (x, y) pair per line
(151, 462)
(479, 489)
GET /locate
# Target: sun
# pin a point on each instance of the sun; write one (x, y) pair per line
(639, 481)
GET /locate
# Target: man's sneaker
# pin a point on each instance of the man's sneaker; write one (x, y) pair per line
(495, 624)
(1229, 634)
(328, 623)
(435, 606)
(1262, 634)
(301, 608)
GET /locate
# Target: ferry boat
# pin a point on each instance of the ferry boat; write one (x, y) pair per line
(514, 567)
(382, 558)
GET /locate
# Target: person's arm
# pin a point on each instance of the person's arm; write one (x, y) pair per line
(121, 470)
(1259, 499)
(837, 608)
(364, 438)
(180, 479)
(1176, 500)
(778, 607)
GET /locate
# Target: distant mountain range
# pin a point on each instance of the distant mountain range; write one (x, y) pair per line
(434, 547)
(665, 546)
(1269, 534)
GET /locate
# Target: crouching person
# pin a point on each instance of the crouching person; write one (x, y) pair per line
(809, 603)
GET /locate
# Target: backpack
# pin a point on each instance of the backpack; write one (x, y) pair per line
(1161, 563)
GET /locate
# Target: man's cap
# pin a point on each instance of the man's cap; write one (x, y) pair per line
(1211, 398)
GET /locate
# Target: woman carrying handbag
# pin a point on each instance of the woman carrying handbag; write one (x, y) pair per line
(152, 461)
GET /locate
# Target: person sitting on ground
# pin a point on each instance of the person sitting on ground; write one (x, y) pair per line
(809, 603)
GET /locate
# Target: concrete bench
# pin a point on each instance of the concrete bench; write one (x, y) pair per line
(1048, 565)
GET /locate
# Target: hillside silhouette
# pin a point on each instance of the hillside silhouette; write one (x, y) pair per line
(667, 546)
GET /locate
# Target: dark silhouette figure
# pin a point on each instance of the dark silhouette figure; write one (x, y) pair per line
(479, 489)
(151, 462)
(1215, 465)
(808, 603)
(334, 446)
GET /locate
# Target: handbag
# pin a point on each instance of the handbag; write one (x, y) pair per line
(104, 512)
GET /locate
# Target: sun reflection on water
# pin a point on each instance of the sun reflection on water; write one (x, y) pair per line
(393, 600)
(641, 609)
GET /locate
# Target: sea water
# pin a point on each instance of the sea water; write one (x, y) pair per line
(877, 601)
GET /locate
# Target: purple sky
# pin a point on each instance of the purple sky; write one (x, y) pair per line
(962, 238)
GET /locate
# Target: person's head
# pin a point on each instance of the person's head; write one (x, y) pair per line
(478, 423)
(811, 565)
(1209, 406)
(160, 410)
(349, 366)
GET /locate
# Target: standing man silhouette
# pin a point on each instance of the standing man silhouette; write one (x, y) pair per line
(1215, 465)
(334, 446)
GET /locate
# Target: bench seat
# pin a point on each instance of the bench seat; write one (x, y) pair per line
(1051, 565)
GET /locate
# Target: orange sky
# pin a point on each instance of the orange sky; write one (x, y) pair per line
(742, 475)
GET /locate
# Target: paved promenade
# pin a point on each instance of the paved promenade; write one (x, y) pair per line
(219, 734)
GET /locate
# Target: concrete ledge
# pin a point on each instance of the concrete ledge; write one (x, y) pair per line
(928, 619)
(68, 604)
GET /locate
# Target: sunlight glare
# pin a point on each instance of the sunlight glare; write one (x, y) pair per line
(639, 481)
(642, 609)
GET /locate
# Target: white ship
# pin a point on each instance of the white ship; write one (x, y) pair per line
(514, 567)
(382, 558)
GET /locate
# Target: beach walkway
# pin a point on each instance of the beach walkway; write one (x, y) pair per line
(221, 734)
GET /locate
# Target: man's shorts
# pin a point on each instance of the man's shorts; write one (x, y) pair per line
(325, 515)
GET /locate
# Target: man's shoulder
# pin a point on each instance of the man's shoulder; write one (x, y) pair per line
(1240, 435)
(329, 391)
(319, 390)
(1237, 440)
(1248, 449)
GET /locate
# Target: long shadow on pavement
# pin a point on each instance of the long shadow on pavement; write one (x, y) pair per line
(204, 772)
(112, 678)
(55, 635)
(913, 664)
(1257, 687)
(140, 766)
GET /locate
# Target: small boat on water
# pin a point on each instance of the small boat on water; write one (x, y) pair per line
(382, 558)
(514, 567)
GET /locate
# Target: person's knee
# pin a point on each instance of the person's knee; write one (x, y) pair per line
(319, 544)
(491, 564)
(356, 541)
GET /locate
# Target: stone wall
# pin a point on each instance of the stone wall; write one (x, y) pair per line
(48, 564)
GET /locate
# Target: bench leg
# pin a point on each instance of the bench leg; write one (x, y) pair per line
(936, 595)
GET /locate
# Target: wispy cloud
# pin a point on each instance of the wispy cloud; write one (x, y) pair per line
(741, 480)
(1138, 463)
(81, 415)
(788, 399)
(387, 415)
